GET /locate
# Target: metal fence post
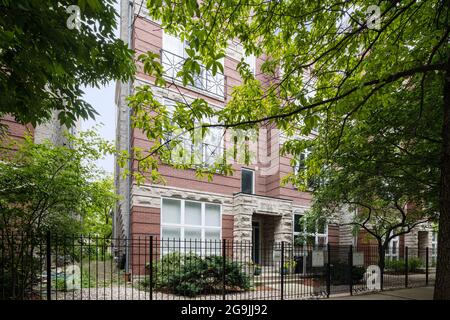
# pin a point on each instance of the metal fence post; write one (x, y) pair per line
(406, 267)
(426, 266)
(350, 269)
(282, 270)
(328, 270)
(381, 255)
(224, 261)
(49, 266)
(151, 267)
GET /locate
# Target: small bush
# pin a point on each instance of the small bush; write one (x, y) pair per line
(191, 275)
(87, 279)
(398, 266)
(414, 264)
(59, 284)
(18, 274)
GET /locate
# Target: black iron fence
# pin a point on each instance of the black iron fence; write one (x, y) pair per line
(148, 268)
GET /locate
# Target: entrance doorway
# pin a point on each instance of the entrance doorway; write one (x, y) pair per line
(256, 242)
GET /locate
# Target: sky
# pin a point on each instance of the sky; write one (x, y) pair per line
(103, 101)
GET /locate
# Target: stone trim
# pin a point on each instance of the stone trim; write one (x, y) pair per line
(168, 93)
(150, 196)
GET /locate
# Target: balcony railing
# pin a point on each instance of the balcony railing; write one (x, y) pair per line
(198, 155)
(205, 81)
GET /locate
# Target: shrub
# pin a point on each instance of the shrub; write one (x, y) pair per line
(414, 264)
(191, 275)
(398, 266)
(339, 273)
(59, 284)
(18, 275)
(88, 279)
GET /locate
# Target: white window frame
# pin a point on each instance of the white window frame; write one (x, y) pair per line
(304, 233)
(389, 254)
(165, 46)
(434, 243)
(202, 77)
(296, 169)
(306, 152)
(220, 146)
(253, 179)
(182, 224)
(251, 61)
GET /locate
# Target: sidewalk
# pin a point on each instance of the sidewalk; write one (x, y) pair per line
(422, 293)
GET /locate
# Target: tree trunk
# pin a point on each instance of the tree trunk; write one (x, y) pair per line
(442, 286)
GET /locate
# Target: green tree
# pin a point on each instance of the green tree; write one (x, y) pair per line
(97, 218)
(386, 168)
(44, 64)
(337, 67)
(44, 188)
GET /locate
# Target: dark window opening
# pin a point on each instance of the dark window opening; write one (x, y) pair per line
(247, 181)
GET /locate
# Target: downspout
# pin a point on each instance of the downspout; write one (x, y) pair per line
(130, 163)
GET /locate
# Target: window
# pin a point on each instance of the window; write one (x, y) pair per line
(190, 221)
(247, 181)
(205, 152)
(434, 243)
(392, 252)
(251, 61)
(300, 168)
(309, 232)
(300, 164)
(212, 146)
(173, 56)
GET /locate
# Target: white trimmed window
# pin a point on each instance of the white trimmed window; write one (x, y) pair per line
(251, 61)
(208, 150)
(314, 233)
(173, 56)
(190, 221)
(434, 243)
(300, 166)
(392, 252)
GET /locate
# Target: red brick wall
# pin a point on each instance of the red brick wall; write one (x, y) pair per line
(227, 227)
(401, 246)
(145, 221)
(333, 234)
(364, 238)
(15, 130)
(148, 37)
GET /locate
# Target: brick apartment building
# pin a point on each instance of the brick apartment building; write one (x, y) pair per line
(51, 130)
(250, 205)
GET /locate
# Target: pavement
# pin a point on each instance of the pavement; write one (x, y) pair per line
(421, 293)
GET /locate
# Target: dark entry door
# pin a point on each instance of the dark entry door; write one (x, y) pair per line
(256, 242)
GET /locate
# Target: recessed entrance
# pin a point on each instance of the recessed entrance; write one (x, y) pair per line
(256, 242)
